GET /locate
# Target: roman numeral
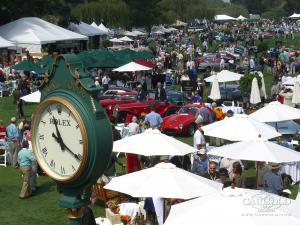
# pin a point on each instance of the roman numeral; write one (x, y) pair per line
(69, 113)
(77, 126)
(79, 156)
(80, 142)
(52, 164)
(62, 170)
(58, 107)
(42, 137)
(73, 168)
(43, 122)
(45, 152)
(49, 110)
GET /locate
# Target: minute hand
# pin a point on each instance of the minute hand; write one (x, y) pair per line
(77, 156)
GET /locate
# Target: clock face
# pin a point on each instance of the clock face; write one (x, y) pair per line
(59, 139)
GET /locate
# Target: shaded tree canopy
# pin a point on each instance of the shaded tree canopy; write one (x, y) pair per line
(127, 13)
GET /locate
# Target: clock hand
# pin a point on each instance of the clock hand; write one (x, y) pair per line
(57, 131)
(59, 141)
(77, 156)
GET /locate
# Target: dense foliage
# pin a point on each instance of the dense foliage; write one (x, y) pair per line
(128, 13)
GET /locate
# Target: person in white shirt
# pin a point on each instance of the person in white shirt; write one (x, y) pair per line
(133, 126)
(97, 84)
(199, 140)
(222, 64)
(105, 81)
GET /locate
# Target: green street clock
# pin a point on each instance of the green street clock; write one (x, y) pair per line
(71, 135)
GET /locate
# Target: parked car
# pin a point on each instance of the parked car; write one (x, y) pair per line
(231, 92)
(173, 96)
(117, 93)
(123, 113)
(210, 63)
(183, 122)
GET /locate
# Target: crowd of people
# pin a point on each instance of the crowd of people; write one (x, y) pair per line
(176, 55)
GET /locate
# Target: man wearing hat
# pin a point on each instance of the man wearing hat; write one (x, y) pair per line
(200, 163)
(13, 139)
(272, 180)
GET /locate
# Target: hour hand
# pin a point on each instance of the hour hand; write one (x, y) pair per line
(59, 141)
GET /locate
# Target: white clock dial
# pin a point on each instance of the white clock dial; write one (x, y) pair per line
(58, 140)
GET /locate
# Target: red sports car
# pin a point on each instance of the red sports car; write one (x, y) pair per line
(124, 112)
(183, 122)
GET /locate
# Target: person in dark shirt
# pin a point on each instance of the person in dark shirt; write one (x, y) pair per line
(212, 173)
(183, 162)
(88, 215)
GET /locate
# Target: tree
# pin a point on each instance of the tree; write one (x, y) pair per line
(233, 10)
(111, 12)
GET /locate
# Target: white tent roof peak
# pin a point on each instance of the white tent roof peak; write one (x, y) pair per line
(103, 28)
(241, 18)
(224, 17)
(33, 30)
(94, 24)
(85, 29)
(295, 15)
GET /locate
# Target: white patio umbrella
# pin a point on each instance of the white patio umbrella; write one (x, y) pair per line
(164, 180)
(225, 76)
(33, 97)
(235, 207)
(215, 90)
(126, 39)
(257, 150)
(296, 93)
(132, 67)
(276, 112)
(295, 15)
(240, 127)
(152, 142)
(286, 127)
(255, 94)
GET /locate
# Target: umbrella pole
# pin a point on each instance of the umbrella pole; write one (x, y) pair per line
(256, 179)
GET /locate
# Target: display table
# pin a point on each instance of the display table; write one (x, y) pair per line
(103, 221)
(235, 109)
(130, 209)
(112, 217)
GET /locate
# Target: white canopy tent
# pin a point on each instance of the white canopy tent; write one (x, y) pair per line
(295, 15)
(138, 33)
(241, 18)
(130, 34)
(103, 28)
(223, 18)
(86, 29)
(126, 39)
(32, 32)
(5, 43)
(132, 67)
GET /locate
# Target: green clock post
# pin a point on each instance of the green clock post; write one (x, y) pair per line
(71, 135)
